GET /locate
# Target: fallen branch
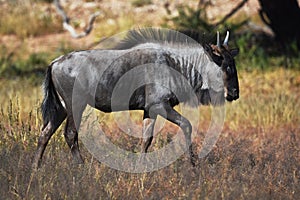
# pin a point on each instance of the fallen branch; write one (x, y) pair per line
(66, 22)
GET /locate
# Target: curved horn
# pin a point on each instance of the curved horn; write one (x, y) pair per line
(226, 39)
(218, 39)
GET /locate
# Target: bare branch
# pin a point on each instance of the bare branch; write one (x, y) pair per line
(66, 22)
(240, 5)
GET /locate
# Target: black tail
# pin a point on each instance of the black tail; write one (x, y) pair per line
(51, 105)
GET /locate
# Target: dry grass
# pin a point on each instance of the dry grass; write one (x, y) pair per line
(27, 18)
(256, 157)
(268, 99)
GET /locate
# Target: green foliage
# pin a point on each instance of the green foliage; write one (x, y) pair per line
(140, 3)
(19, 63)
(63, 48)
(261, 52)
(46, 1)
(191, 19)
(32, 67)
(251, 55)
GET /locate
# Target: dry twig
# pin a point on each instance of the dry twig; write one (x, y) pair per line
(239, 6)
(66, 22)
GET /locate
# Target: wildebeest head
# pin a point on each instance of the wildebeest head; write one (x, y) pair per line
(224, 57)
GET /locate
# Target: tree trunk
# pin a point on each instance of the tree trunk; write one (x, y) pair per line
(283, 17)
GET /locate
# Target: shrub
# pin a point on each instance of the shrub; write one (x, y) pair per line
(140, 3)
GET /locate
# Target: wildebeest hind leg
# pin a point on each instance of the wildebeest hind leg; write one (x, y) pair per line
(47, 131)
(71, 136)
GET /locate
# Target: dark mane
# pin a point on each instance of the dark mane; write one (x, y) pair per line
(160, 36)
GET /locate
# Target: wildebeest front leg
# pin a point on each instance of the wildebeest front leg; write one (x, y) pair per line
(148, 127)
(185, 125)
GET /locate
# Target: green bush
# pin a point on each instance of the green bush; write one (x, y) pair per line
(140, 3)
(251, 54)
(33, 66)
(191, 19)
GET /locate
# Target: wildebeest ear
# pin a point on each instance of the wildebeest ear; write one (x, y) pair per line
(234, 52)
(217, 58)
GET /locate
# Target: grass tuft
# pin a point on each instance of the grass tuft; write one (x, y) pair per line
(26, 18)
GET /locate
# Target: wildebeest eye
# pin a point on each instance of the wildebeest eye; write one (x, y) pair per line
(228, 69)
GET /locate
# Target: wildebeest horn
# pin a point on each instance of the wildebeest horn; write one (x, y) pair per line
(226, 39)
(218, 39)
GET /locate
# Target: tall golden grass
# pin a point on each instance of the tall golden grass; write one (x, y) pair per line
(256, 157)
(27, 18)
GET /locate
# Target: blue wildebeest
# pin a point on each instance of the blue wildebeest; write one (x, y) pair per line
(209, 69)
